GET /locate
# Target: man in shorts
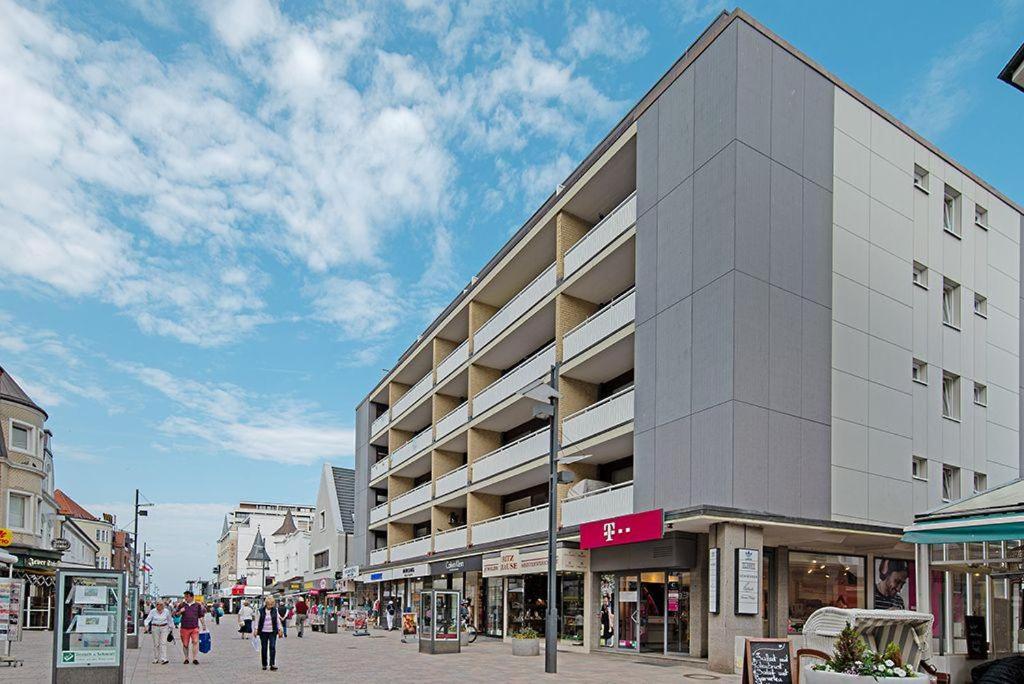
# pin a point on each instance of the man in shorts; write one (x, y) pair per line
(192, 618)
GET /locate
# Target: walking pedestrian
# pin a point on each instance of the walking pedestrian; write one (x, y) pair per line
(159, 622)
(268, 628)
(245, 615)
(192, 617)
(390, 613)
(282, 614)
(218, 612)
(301, 610)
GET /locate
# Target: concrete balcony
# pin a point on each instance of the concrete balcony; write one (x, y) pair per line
(378, 513)
(378, 469)
(455, 419)
(451, 482)
(411, 549)
(450, 539)
(415, 393)
(516, 307)
(415, 445)
(528, 521)
(412, 498)
(604, 322)
(523, 450)
(378, 556)
(600, 236)
(456, 358)
(380, 423)
(606, 414)
(599, 504)
(504, 387)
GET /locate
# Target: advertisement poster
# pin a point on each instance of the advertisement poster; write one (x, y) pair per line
(92, 595)
(409, 624)
(894, 584)
(12, 593)
(748, 581)
(90, 618)
(713, 580)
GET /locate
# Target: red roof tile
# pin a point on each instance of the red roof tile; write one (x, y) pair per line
(69, 506)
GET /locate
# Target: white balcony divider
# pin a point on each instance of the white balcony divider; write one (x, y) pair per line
(451, 481)
(421, 441)
(519, 377)
(448, 540)
(378, 513)
(415, 393)
(411, 549)
(412, 498)
(380, 422)
(453, 420)
(523, 450)
(456, 358)
(378, 556)
(510, 525)
(605, 321)
(600, 236)
(516, 307)
(596, 418)
(607, 502)
(378, 468)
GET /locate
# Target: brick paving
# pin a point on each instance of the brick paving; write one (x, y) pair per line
(344, 658)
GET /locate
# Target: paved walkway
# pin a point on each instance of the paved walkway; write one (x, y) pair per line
(345, 658)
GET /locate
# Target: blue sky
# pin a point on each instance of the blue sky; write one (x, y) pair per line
(221, 220)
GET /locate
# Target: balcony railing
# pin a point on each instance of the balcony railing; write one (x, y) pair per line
(513, 381)
(516, 307)
(411, 549)
(455, 419)
(415, 445)
(448, 540)
(599, 504)
(596, 418)
(412, 498)
(451, 481)
(378, 513)
(510, 525)
(601, 324)
(378, 468)
(415, 393)
(456, 358)
(600, 236)
(523, 450)
(378, 556)
(380, 422)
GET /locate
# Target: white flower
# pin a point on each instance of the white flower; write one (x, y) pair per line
(889, 663)
(901, 673)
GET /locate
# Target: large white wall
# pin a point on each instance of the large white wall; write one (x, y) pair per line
(882, 321)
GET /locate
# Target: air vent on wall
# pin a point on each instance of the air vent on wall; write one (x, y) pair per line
(663, 551)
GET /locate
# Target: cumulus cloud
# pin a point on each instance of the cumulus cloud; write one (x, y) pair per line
(606, 34)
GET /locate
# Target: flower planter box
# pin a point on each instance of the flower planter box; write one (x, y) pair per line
(809, 676)
(525, 647)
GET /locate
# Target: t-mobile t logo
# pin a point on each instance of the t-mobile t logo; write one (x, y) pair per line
(610, 530)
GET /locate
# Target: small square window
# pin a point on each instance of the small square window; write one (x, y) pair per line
(980, 482)
(951, 396)
(919, 372)
(920, 178)
(919, 468)
(951, 303)
(980, 305)
(980, 394)
(981, 216)
(920, 275)
(951, 211)
(950, 483)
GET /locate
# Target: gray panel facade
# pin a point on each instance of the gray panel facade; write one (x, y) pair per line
(362, 504)
(734, 293)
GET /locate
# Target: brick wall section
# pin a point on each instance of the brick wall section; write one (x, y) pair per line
(398, 486)
(398, 533)
(397, 438)
(569, 312)
(569, 228)
(478, 315)
(482, 507)
(479, 378)
(441, 349)
(442, 462)
(395, 392)
(480, 442)
(442, 405)
(576, 395)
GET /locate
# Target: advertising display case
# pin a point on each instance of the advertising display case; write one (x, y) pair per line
(439, 621)
(89, 638)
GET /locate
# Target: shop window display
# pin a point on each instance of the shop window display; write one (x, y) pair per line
(817, 580)
(495, 609)
(571, 612)
(527, 604)
(607, 634)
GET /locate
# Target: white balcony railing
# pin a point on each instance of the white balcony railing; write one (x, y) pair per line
(451, 481)
(412, 498)
(510, 525)
(516, 307)
(378, 513)
(599, 504)
(415, 445)
(600, 236)
(415, 393)
(456, 358)
(378, 556)
(380, 422)
(513, 381)
(411, 549)
(596, 418)
(450, 539)
(523, 450)
(455, 419)
(607, 320)
(378, 468)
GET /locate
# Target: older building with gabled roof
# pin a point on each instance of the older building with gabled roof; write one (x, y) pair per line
(331, 542)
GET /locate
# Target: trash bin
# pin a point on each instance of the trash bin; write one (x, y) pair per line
(331, 623)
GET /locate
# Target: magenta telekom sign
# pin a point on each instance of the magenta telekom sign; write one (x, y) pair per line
(625, 529)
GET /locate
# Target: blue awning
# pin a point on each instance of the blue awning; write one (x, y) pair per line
(970, 528)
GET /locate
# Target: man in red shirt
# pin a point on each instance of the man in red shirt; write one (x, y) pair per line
(192, 617)
(301, 609)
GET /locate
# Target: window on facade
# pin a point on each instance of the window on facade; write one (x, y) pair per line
(980, 482)
(920, 178)
(919, 468)
(920, 275)
(321, 559)
(950, 483)
(951, 396)
(951, 303)
(919, 372)
(817, 580)
(981, 216)
(18, 511)
(980, 305)
(323, 520)
(21, 437)
(980, 394)
(951, 211)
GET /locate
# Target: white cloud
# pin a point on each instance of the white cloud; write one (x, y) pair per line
(691, 11)
(360, 308)
(606, 34)
(239, 22)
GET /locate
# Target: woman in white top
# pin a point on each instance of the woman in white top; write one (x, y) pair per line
(159, 623)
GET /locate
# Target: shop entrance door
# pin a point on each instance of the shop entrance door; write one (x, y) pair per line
(652, 612)
(629, 612)
(677, 613)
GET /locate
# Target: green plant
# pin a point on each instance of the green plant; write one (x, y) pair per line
(851, 656)
(526, 633)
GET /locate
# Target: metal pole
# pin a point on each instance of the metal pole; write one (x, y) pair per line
(135, 539)
(551, 617)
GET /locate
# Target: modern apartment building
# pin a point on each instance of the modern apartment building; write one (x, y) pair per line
(779, 317)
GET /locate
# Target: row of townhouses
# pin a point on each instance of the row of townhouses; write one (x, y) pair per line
(780, 320)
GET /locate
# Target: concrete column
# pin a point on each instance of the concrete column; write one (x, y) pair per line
(569, 228)
(478, 315)
(780, 621)
(726, 625)
(699, 601)
(590, 607)
(439, 350)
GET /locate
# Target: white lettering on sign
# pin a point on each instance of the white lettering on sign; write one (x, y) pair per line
(611, 529)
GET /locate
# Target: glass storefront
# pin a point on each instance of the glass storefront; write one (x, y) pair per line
(527, 604)
(817, 580)
(645, 611)
(494, 616)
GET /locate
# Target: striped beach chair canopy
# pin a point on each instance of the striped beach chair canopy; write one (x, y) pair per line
(909, 630)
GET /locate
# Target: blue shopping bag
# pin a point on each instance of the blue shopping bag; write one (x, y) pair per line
(205, 644)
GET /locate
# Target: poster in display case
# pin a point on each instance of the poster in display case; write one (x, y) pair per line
(439, 626)
(90, 625)
(12, 597)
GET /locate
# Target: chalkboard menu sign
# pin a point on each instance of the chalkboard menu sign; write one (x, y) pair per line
(768, 661)
(977, 639)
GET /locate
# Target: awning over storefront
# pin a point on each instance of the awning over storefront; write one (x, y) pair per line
(993, 515)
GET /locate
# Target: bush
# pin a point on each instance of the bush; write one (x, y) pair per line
(851, 656)
(525, 634)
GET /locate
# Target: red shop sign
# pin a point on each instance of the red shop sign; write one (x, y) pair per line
(625, 529)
